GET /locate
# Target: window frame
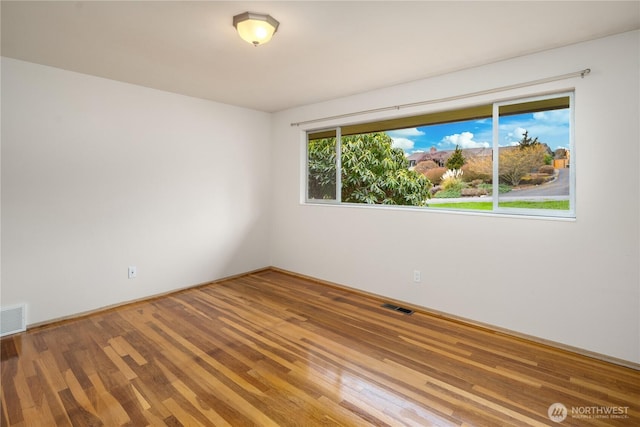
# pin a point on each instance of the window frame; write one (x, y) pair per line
(494, 105)
(552, 213)
(338, 136)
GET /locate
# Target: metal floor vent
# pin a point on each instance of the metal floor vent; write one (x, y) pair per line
(397, 308)
(12, 320)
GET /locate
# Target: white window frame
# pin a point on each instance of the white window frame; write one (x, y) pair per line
(496, 209)
(338, 198)
(570, 213)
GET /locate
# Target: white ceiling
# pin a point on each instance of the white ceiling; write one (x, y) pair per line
(322, 50)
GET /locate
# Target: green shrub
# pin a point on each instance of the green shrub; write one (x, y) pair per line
(547, 169)
(435, 175)
(477, 169)
(448, 194)
(502, 188)
(534, 180)
(422, 167)
(473, 192)
(452, 178)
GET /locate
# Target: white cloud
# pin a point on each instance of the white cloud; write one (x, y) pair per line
(401, 139)
(464, 140)
(518, 133)
(553, 116)
(405, 132)
(404, 143)
(515, 136)
(550, 127)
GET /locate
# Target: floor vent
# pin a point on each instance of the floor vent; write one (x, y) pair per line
(12, 320)
(397, 308)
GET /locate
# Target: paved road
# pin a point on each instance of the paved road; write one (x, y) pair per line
(558, 187)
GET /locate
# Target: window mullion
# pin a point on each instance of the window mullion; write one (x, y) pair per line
(496, 158)
(339, 165)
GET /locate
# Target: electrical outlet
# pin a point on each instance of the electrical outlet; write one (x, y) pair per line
(133, 272)
(416, 276)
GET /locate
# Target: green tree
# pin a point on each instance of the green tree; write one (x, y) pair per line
(548, 159)
(372, 171)
(456, 160)
(375, 172)
(526, 142)
(322, 168)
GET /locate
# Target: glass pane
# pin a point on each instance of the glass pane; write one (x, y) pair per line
(456, 157)
(534, 155)
(321, 168)
(375, 171)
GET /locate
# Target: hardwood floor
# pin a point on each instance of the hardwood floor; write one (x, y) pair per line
(273, 349)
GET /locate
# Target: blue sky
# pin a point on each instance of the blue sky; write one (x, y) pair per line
(551, 127)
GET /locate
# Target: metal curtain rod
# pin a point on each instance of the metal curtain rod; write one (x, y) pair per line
(580, 73)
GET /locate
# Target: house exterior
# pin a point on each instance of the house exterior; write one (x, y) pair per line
(441, 157)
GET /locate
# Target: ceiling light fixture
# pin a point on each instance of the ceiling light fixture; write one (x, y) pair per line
(255, 28)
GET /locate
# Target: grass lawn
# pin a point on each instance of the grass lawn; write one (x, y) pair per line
(487, 206)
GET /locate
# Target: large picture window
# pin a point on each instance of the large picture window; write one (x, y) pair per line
(507, 157)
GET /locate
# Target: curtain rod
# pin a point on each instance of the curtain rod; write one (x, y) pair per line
(581, 73)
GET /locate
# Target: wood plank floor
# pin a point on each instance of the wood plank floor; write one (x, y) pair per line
(272, 349)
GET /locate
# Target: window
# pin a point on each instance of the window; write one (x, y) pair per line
(508, 157)
(537, 167)
(322, 166)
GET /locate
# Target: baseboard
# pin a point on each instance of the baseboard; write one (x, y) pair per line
(75, 316)
(417, 308)
(472, 323)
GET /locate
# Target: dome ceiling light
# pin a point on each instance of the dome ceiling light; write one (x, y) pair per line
(255, 28)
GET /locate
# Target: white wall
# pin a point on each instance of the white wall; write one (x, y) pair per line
(572, 282)
(98, 175)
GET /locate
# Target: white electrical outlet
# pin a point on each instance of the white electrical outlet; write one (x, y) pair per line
(416, 276)
(133, 272)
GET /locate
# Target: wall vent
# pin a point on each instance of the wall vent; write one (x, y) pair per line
(397, 308)
(12, 320)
